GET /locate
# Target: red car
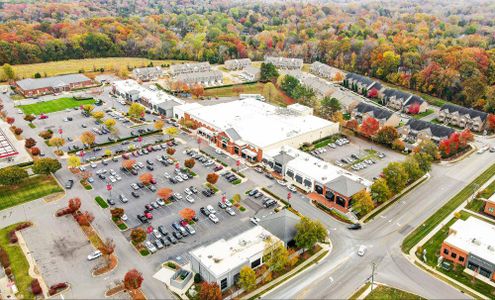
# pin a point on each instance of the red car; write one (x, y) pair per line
(135, 154)
(183, 222)
(125, 156)
(43, 116)
(148, 215)
(153, 180)
(148, 207)
(150, 148)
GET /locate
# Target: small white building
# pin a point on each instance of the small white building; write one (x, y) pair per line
(237, 64)
(222, 261)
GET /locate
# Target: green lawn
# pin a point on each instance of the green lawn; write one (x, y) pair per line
(53, 105)
(424, 114)
(102, 203)
(422, 230)
(389, 293)
(29, 189)
(18, 263)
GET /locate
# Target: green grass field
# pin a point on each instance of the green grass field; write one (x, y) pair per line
(88, 65)
(390, 293)
(53, 105)
(29, 189)
(268, 90)
(18, 263)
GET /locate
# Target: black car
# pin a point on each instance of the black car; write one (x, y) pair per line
(142, 218)
(171, 239)
(172, 180)
(193, 189)
(165, 241)
(206, 193)
(102, 177)
(134, 194)
(150, 167)
(110, 201)
(162, 230)
(355, 226)
(134, 172)
(204, 211)
(69, 184)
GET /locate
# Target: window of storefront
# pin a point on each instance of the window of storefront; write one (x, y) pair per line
(453, 255)
(307, 182)
(319, 189)
(256, 263)
(329, 195)
(290, 173)
(340, 201)
(299, 179)
(446, 251)
(461, 258)
(485, 272)
(223, 284)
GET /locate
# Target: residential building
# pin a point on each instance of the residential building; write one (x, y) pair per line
(471, 244)
(222, 261)
(150, 96)
(416, 131)
(249, 127)
(319, 86)
(489, 208)
(462, 117)
(251, 73)
(324, 71)
(206, 78)
(386, 118)
(282, 225)
(362, 84)
(313, 175)
(42, 86)
(285, 62)
(147, 74)
(402, 101)
(237, 64)
(186, 68)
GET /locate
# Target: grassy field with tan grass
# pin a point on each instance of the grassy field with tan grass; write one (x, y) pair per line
(88, 65)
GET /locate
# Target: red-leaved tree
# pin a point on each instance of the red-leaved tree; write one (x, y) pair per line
(369, 127)
(133, 280)
(373, 93)
(414, 108)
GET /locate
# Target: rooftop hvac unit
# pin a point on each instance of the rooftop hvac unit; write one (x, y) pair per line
(325, 166)
(475, 241)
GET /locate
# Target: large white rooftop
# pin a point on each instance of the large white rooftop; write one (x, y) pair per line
(474, 236)
(151, 94)
(224, 255)
(258, 123)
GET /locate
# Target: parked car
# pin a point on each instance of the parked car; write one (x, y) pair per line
(211, 209)
(94, 255)
(213, 218)
(204, 211)
(69, 184)
(190, 229)
(362, 250)
(230, 211)
(355, 226)
(150, 246)
(123, 198)
(110, 201)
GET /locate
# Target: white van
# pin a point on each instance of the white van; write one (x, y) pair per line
(362, 250)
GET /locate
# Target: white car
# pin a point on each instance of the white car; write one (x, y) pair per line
(124, 217)
(150, 246)
(94, 255)
(362, 250)
(189, 199)
(160, 201)
(112, 179)
(178, 178)
(135, 186)
(187, 191)
(117, 176)
(184, 176)
(166, 175)
(93, 165)
(112, 172)
(228, 203)
(281, 182)
(211, 209)
(254, 220)
(291, 188)
(218, 151)
(230, 211)
(213, 218)
(178, 196)
(157, 233)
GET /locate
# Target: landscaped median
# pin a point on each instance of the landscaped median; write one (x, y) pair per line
(383, 292)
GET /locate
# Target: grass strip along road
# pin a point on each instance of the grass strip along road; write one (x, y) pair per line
(53, 105)
(422, 230)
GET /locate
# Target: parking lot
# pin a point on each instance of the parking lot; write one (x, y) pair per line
(367, 158)
(206, 230)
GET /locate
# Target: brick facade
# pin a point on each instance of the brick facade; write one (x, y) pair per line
(453, 254)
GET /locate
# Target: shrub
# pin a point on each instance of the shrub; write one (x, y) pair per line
(171, 265)
(144, 252)
(4, 259)
(35, 151)
(35, 287)
(56, 288)
(23, 225)
(197, 278)
(12, 237)
(46, 134)
(18, 131)
(8, 272)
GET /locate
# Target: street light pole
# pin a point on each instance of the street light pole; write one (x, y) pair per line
(373, 265)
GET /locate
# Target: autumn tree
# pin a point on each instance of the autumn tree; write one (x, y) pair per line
(73, 161)
(380, 191)
(98, 115)
(128, 163)
(74, 204)
(133, 280)
(210, 291)
(117, 212)
(413, 109)
(412, 168)
(247, 278)
(29, 143)
(138, 235)
(87, 137)
(146, 178)
(386, 135)
(212, 178)
(275, 255)
(398, 144)
(362, 203)
(187, 214)
(107, 248)
(428, 147)
(396, 176)
(189, 163)
(309, 232)
(236, 199)
(88, 108)
(35, 151)
(329, 106)
(29, 118)
(85, 218)
(170, 151)
(338, 77)
(424, 161)
(8, 72)
(369, 126)
(352, 124)
(110, 123)
(46, 166)
(158, 124)
(12, 175)
(57, 142)
(164, 193)
(197, 90)
(491, 121)
(373, 93)
(136, 110)
(10, 121)
(172, 131)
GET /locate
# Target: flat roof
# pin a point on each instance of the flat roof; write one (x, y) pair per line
(474, 236)
(6, 147)
(154, 97)
(225, 255)
(55, 81)
(258, 123)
